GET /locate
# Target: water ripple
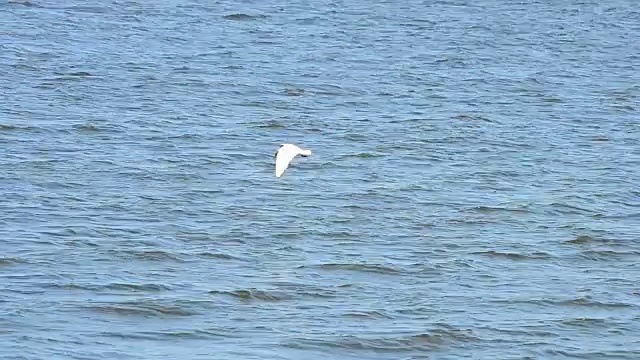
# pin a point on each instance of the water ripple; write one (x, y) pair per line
(472, 192)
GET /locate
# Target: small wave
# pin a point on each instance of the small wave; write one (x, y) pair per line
(68, 286)
(582, 239)
(354, 207)
(270, 125)
(149, 255)
(490, 209)
(295, 92)
(338, 234)
(61, 232)
(284, 291)
(371, 314)
(355, 267)
(24, 3)
(578, 354)
(308, 290)
(68, 76)
(204, 191)
(243, 16)
(551, 99)
(585, 322)
(514, 256)
(9, 261)
(89, 9)
(137, 287)
(417, 342)
(185, 136)
(9, 127)
(465, 117)
(366, 155)
(585, 301)
(252, 294)
(93, 128)
(606, 254)
(568, 209)
(75, 73)
(86, 128)
(217, 255)
(624, 108)
(524, 330)
(188, 334)
(113, 287)
(127, 335)
(141, 308)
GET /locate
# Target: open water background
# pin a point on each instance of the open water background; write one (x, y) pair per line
(473, 191)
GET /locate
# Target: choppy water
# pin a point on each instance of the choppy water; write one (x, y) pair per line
(473, 191)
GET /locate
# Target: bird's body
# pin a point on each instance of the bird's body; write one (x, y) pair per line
(285, 154)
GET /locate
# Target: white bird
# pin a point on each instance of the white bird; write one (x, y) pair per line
(285, 154)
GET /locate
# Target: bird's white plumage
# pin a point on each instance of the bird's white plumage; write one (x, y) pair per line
(285, 154)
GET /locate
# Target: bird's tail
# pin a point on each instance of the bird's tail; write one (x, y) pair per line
(305, 152)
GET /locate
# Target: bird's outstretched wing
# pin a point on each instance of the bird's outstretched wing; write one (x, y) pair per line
(284, 157)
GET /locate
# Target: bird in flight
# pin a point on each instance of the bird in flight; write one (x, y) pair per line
(285, 154)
